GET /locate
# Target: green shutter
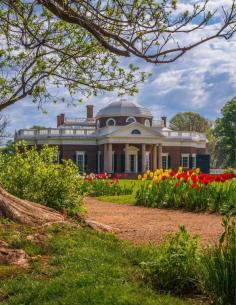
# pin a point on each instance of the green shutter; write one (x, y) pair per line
(86, 163)
(190, 162)
(122, 163)
(169, 161)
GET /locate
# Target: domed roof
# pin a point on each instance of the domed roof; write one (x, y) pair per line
(124, 108)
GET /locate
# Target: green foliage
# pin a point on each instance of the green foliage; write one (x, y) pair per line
(218, 268)
(34, 175)
(176, 194)
(189, 121)
(175, 266)
(79, 266)
(229, 170)
(37, 59)
(225, 134)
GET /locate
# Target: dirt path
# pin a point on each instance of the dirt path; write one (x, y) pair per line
(144, 225)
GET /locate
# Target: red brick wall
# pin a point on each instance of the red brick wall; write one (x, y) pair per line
(176, 151)
(69, 152)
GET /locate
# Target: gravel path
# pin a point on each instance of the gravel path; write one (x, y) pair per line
(147, 225)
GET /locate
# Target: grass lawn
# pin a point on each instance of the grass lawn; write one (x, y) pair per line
(77, 266)
(124, 199)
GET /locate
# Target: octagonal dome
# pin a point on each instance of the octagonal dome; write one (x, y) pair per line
(124, 108)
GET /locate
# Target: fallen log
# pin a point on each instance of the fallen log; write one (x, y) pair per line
(26, 212)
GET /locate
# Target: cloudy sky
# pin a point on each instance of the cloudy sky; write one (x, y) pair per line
(203, 81)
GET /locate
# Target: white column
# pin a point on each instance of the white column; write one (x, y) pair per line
(143, 158)
(105, 158)
(126, 157)
(154, 157)
(160, 156)
(109, 161)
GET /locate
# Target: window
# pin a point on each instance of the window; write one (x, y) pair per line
(135, 131)
(80, 160)
(164, 162)
(185, 161)
(111, 122)
(130, 120)
(147, 160)
(194, 161)
(147, 123)
(58, 155)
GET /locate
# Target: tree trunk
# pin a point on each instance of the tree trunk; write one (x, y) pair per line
(26, 212)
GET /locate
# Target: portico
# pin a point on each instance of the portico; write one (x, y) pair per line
(150, 156)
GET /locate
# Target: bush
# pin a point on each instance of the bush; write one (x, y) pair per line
(34, 175)
(175, 267)
(218, 272)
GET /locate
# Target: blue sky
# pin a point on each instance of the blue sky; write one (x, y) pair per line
(203, 81)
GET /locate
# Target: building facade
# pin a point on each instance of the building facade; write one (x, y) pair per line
(122, 138)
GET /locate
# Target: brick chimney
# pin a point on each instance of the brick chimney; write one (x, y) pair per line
(164, 119)
(89, 112)
(60, 119)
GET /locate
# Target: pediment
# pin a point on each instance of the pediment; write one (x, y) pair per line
(135, 130)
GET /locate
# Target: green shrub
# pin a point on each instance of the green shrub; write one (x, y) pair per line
(34, 175)
(175, 267)
(218, 272)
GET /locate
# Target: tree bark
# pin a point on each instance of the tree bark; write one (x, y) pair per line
(26, 212)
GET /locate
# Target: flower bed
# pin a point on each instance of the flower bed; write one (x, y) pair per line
(105, 184)
(189, 190)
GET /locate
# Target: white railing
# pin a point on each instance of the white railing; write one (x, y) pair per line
(31, 133)
(184, 134)
(79, 120)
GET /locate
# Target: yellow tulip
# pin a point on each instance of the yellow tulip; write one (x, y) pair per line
(155, 179)
(139, 177)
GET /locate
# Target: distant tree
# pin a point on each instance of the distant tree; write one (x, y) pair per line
(225, 135)
(189, 121)
(9, 148)
(38, 127)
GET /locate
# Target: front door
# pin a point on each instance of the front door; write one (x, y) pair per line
(132, 163)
